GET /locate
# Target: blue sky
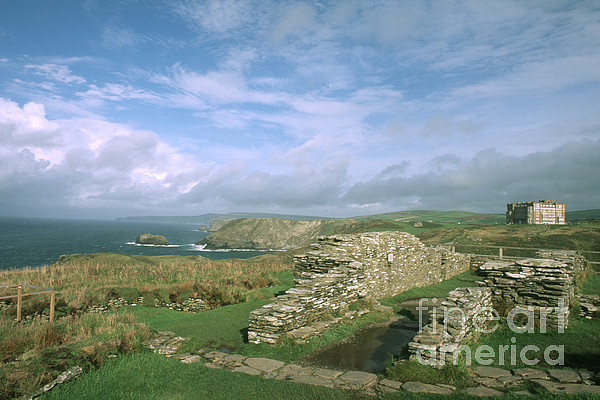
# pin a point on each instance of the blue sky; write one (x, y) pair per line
(114, 108)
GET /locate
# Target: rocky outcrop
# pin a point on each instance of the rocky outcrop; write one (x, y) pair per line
(271, 233)
(148, 238)
(218, 224)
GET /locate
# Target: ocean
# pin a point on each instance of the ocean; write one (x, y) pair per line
(35, 242)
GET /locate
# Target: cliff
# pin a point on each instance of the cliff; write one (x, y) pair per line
(274, 233)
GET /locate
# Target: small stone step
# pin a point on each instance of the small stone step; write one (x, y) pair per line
(419, 387)
(482, 391)
(264, 364)
(491, 372)
(564, 375)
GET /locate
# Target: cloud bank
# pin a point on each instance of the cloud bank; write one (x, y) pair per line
(89, 164)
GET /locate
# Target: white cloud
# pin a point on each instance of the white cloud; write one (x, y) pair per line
(538, 78)
(115, 37)
(118, 92)
(297, 20)
(60, 73)
(96, 164)
(219, 16)
(39, 153)
(442, 126)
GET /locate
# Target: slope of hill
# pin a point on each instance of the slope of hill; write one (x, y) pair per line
(208, 219)
(464, 217)
(281, 234)
(583, 215)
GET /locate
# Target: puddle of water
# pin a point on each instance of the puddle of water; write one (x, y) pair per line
(368, 350)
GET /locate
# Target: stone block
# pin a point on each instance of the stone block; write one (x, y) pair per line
(419, 387)
(358, 379)
(564, 375)
(491, 372)
(482, 391)
(264, 364)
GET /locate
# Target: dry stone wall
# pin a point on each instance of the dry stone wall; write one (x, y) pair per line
(540, 284)
(341, 269)
(535, 284)
(455, 320)
(589, 306)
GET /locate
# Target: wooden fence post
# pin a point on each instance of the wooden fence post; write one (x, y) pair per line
(19, 292)
(500, 253)
(52, 301)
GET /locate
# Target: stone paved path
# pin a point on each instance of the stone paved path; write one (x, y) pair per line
(492, 381)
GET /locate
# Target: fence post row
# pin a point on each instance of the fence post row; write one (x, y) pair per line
(20, 296)
(501, 251)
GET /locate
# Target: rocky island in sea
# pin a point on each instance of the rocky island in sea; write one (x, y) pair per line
(149, 238)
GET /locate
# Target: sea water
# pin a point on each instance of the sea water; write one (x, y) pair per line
(34, 242)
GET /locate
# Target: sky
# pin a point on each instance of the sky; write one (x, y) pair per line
(111, 108)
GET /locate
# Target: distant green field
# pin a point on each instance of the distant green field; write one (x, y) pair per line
(466, 217)
(463, 217)
(584, 215)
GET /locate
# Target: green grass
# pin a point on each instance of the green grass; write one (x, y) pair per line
(441, 289)
(288, 351)
(580, 340)
(591, 285)
(150, 376)
(220, 327)
(404, 370)
(452, 217)
(226, 327)
(32, 354)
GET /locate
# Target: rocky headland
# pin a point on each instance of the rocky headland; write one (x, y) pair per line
(274, 233)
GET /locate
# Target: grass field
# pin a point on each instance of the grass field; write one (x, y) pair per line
(145, 375)
(34, 353)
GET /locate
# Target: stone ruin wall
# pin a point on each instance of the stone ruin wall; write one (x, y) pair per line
(341, 269)
(344, 268)
(547, 281)
(533, 284)
(454, 321)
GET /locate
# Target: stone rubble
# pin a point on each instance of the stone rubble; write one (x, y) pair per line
(189, 305)
(66, 376)
(589, 305)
